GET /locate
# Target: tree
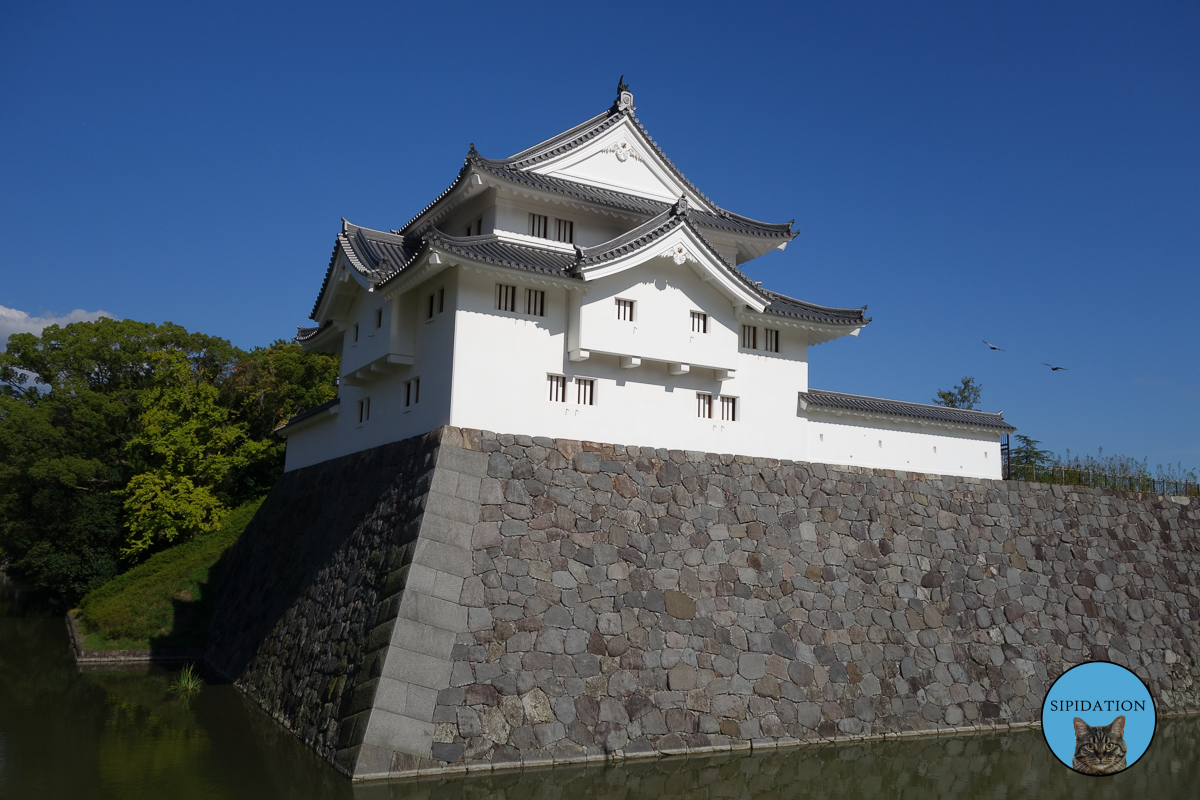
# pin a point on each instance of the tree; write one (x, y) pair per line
(965, 394)
(1028, 453)
(189, 443)
(87, 408)
(69, 406)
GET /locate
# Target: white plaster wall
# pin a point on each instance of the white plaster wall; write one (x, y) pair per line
(512, 214)
(902, 445)
(502, 363)
(390, 421)
(664, 295)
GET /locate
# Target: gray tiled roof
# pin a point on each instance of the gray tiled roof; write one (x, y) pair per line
(838, 401)
(378, 255)
(304, 334)
(785, 306)
(516, 168)
(381, 256)
(506, 254)
(312, 412)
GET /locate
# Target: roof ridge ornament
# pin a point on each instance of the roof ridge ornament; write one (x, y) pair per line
(624, 101)
(680, 209)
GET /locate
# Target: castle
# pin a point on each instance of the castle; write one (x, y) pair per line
(585, 289)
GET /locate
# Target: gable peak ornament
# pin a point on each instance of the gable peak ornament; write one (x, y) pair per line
(624, 100)
(679, 254)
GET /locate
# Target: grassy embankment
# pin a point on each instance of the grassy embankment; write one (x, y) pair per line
(163, 603)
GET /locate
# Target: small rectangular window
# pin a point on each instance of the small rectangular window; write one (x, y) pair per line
(412, 392)
(699, 322)
(506, 297)
(585, 391)
(378, 318)
(729, 409)
(356, 331)
(625, 310)
(558, 388)
(364, 410)
(535, 302)
(475, 228)
(441, 299)
(429, 310)
(749, 337)
(539, 226)
(564, 230)
(703, 405)
(772, 340)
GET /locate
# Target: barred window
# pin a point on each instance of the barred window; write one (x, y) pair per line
(704, 405)
(558, 388)
(412, 392)
(538, 226)
(772, 340)
(729, 409)
(506, 297)
(564, 230)
(750, 337)
(429, 308)
(625, 310)
(699, 322)
(585, 390)
(441, 299)
(535, 302)
(364, 409)
(379, 318)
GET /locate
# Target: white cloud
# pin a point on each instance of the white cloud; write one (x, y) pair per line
(15, 321)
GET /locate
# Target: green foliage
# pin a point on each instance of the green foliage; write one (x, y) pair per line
(119, 437)
(188, 683)
(965, 394)
(164, 596)
(189, 443)
(1028, 453)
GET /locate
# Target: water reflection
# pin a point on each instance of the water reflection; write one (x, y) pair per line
(121, 734)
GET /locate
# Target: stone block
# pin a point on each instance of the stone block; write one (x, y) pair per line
(465, 462)
(434, 611)
(446, 558)
(400, 733)
(422, 638)
(416, 668)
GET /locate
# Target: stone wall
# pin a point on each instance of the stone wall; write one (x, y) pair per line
(623, 601)
(309, 593)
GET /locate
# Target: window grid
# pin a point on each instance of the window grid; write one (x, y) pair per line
(539, 226)
(535, 302)
(412, 392)
(729, 409)
(750, 337)
(564, 230)
(625, 310)
(703, 405)
(558, 388)
(772, 340)
(585, 391)
(506, 297)
(699, 322)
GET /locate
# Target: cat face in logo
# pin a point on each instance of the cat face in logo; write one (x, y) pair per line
(1099, 750)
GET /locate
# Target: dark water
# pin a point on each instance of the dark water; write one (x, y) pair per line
(120, 735)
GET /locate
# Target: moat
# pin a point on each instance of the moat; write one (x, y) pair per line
(120, 734)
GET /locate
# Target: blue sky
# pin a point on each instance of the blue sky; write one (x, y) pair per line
(1025, 173)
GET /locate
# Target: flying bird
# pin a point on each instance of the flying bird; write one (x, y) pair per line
(1053, 368)
(992, 346)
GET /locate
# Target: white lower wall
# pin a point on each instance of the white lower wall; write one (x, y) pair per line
(903, 445)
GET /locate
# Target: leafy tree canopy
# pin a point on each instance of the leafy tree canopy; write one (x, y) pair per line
(965, 394)
(93, 414)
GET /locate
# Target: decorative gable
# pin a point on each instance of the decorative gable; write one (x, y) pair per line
(619, 160)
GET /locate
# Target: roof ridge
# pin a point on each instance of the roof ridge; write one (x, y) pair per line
(934, 406)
